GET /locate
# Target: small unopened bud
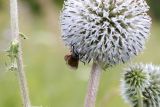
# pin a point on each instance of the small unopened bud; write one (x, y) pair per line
(144, 79)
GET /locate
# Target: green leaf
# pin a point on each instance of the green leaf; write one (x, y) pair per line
(23, 35)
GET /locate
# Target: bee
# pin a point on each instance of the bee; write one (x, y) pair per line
(72, 59)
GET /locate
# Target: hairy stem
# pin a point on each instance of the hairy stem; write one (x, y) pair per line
(19, 60)
(140, 98)
(93, 85)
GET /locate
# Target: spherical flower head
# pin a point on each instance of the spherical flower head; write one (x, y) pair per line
(106, 31)
(145, 78)
(136, 77)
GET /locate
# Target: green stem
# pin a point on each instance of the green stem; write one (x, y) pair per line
(19, 59)
(140, 98)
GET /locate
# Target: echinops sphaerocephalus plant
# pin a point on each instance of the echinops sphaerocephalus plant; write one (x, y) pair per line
(105, 31)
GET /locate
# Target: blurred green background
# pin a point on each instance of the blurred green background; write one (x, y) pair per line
(51, 83)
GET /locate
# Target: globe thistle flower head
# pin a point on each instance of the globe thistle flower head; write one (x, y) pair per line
(149, 86)
(136, 77)
(106, 31)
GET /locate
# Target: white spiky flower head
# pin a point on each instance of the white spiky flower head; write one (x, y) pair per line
(145, 78)
(136, 76)
(106, 31)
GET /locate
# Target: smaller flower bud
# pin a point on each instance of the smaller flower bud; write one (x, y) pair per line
(152, 93)
(136, 77)
(145, 79)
